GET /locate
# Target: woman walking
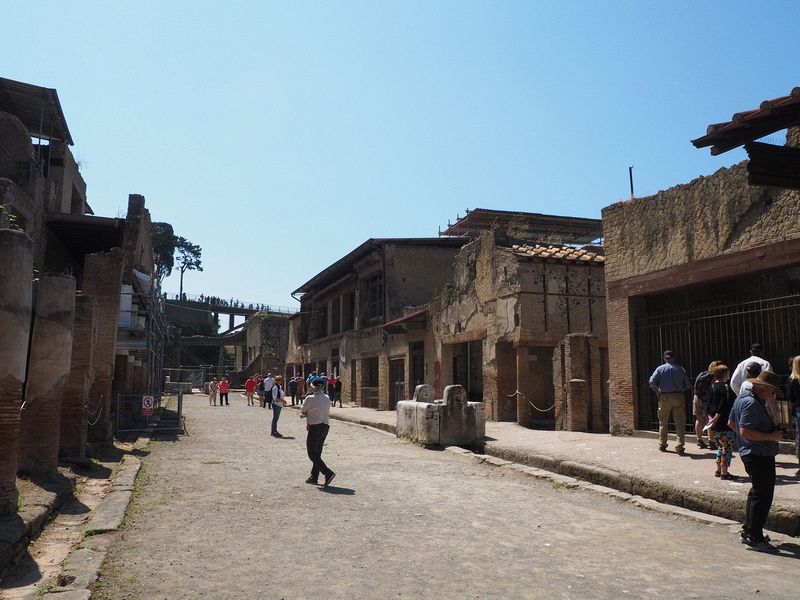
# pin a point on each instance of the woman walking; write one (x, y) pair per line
(278, 402)
(794, 398)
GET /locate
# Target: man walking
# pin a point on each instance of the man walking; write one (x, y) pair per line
(316, 408)
(757, 438)
(250, 390)
(670, 383)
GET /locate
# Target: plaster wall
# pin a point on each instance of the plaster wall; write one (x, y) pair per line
(707, 217)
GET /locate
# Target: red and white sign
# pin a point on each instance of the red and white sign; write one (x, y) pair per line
(147, 406)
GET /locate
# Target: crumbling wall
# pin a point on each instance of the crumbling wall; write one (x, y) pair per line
(74, 424)
(702, 219)
(414, 274)
(16, 270)
(49, 364)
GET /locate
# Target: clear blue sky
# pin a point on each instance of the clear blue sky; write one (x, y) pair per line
(280, 135)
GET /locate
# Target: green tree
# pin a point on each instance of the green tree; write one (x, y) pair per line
(163, 249)
(188, 257)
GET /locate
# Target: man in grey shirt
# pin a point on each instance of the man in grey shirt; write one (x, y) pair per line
(757, 437)
(670, 383)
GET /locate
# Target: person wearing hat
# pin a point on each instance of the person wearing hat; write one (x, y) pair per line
(670, 384)
(757, 437)
(316, 409)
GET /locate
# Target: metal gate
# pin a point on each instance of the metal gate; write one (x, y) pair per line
(137, 413)
(701, 330)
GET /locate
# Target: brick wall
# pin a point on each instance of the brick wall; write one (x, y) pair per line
(15, 311)
(49, 365)
(76, 389)
(102, 279)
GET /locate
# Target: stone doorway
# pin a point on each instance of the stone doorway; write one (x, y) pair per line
(468, 368)
(397, 375)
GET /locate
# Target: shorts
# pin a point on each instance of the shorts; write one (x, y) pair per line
(699, 409)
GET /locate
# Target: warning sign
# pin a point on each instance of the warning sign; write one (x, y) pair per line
(147, 406)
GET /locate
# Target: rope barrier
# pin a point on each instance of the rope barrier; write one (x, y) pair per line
(517, 392)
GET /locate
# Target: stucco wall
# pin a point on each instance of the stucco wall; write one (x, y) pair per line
(709, 216)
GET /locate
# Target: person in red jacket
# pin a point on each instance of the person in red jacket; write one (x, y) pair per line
(224, 388)
(250, 390)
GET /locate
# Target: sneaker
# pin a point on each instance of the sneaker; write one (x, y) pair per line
(744, 539)
(680, 451)
(662, 448)
(764, 546)
(312, 481)
(701, 444)
(717, 474)
(328, 479)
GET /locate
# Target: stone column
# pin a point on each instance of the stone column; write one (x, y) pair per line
(74, 414)
(48, 367)
(16, 269)
(102, 279)
(524, 409)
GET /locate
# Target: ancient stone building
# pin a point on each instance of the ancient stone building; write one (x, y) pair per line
(511, 302)
(77, 344)
(348, 314)
(705, 268)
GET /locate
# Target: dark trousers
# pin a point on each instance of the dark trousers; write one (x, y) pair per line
(223, 396)
(761, 470)
(314, 443)
(268, 398)
(294, 397)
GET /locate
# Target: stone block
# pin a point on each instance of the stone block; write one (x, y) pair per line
(450, 421)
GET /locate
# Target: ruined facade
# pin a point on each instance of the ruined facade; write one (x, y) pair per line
(349, 312)
(509, 306)
(65, 276)
(704, 269)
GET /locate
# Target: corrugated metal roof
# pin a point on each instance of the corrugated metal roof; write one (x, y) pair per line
(746, 126)
(37, 107)
(559, 252)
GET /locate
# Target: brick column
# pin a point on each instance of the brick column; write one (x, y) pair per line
(48, 367)
(102, 279)
(74, 423)
(384, 384)
(621, 313)
(15, 323)
(524, 409)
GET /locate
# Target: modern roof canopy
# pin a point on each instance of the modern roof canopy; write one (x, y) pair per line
(556, 229)
(747, 126)
(37, 107)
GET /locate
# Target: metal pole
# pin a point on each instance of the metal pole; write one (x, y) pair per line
(630, 176)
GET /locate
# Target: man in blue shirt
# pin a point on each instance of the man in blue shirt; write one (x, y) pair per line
(757, 437)
(670, 384)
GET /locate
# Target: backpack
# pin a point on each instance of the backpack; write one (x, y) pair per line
(260, 386)
(702, 384)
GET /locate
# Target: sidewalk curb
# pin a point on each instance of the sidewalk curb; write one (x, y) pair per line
(782, 518)
(81, 569)
(19, 530)
(645, 493)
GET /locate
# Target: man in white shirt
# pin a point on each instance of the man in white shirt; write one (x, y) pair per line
(740, 385)
(739, 374)
(316, 409)
(269, 382)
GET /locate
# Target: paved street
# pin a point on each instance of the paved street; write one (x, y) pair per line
(224, 513)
